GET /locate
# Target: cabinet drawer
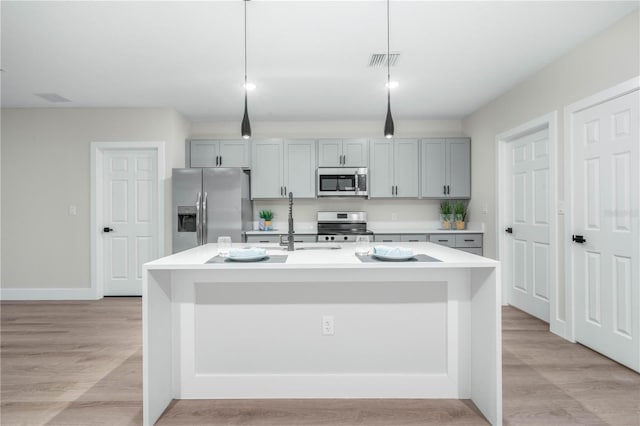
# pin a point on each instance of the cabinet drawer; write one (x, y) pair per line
(387, 238)
(469, 240)
(443, 239)
(472, 250)
(263, 239)
(413, 238)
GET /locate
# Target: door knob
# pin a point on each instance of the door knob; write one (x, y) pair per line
(509, 230)
(578, 239)
(107, 229)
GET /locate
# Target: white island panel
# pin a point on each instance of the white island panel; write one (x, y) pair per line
(402, 330)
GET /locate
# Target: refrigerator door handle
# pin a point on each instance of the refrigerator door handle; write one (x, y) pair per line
(205, 231)
(198, 225)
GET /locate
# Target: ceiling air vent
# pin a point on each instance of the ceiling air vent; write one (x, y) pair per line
(380, 60)
(52, 97)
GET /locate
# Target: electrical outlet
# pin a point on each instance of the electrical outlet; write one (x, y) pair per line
(73, 210)
(394, 216)
(327, 325)
(485, 209)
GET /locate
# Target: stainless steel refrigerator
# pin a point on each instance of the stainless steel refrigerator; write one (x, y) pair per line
(208, 203)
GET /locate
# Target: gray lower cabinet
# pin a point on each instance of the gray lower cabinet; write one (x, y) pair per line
(281, 238)
(397, 238)
(471, 243)
(264, 239)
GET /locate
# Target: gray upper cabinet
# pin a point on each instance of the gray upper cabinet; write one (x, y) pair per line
(394, 168)
(446, 168)
(343, 152)
(282, 166)
(220, 153)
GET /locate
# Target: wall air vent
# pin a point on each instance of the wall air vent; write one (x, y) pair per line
(52, 97)
(379, 60)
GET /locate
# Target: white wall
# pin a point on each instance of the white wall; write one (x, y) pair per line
(305, 210)
(45, 168)
(603, 61)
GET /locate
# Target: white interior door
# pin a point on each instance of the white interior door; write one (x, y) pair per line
(528, 255)
(130, 213)
(605, 269)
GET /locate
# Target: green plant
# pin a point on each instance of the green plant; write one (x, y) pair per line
(266, 214)
(445, 207)
(459, 209)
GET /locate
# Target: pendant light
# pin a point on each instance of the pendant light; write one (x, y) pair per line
(388, 122)
(245, 128)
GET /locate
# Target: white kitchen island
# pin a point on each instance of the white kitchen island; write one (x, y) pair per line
(259, 330)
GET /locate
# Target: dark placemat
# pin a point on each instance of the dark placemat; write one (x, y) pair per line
(277, 258)
(367, 258)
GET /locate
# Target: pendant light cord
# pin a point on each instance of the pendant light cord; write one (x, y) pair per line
(388, 58)
(245, 47)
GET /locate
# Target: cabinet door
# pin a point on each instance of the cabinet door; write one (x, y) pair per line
(433, 168)
(234, 153)
(267, 169)
(406, 164)
(329, 152)
(381, 173)
(459, 168)
(204, 153)
(356, 152)
(300, 168)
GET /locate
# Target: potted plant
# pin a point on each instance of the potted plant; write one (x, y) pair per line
(265, 220)
(459, 214)
(446, 216)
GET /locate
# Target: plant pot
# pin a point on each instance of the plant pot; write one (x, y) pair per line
(267, 225)
(460, 224)
(445, 221)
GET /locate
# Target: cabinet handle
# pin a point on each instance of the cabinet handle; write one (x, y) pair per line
(448, 190)
(285, 191)
(221, 160)
(444, 189)
(216, 161)
(396, 190)
(469, 241)
(442, 241)
(281, 191)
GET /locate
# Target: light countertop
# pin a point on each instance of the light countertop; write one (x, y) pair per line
(378, 227)
(197, 257)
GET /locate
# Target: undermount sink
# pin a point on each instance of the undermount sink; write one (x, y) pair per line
(322, 247)
(318, 247)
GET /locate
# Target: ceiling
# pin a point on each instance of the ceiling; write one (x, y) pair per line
(309, 59)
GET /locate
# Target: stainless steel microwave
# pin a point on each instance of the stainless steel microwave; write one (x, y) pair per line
(343, 182)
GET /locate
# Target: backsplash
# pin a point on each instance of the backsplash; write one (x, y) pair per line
(304, 210)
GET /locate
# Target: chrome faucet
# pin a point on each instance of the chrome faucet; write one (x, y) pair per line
(290, 237)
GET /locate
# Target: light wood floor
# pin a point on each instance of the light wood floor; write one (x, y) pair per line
(80, 363)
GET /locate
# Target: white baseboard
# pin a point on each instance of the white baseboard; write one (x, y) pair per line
(48, 294)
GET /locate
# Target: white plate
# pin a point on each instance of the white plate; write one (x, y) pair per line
(392, 258)
(248, 258)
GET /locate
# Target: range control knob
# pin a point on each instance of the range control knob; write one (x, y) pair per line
(345, 238)
(333, 238)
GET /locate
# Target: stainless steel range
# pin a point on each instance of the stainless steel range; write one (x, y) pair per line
(341, 226)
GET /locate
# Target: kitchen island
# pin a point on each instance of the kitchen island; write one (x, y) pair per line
(322, 324)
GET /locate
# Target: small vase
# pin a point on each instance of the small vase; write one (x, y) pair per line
(261, 223)
(459, 221)
(445, 221)
(267, 225)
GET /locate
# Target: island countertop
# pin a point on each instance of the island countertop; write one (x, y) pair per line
(311, 258)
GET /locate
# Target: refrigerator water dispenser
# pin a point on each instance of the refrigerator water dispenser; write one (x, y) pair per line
(187, 219)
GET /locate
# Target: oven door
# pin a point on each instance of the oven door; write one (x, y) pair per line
(341, 182)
